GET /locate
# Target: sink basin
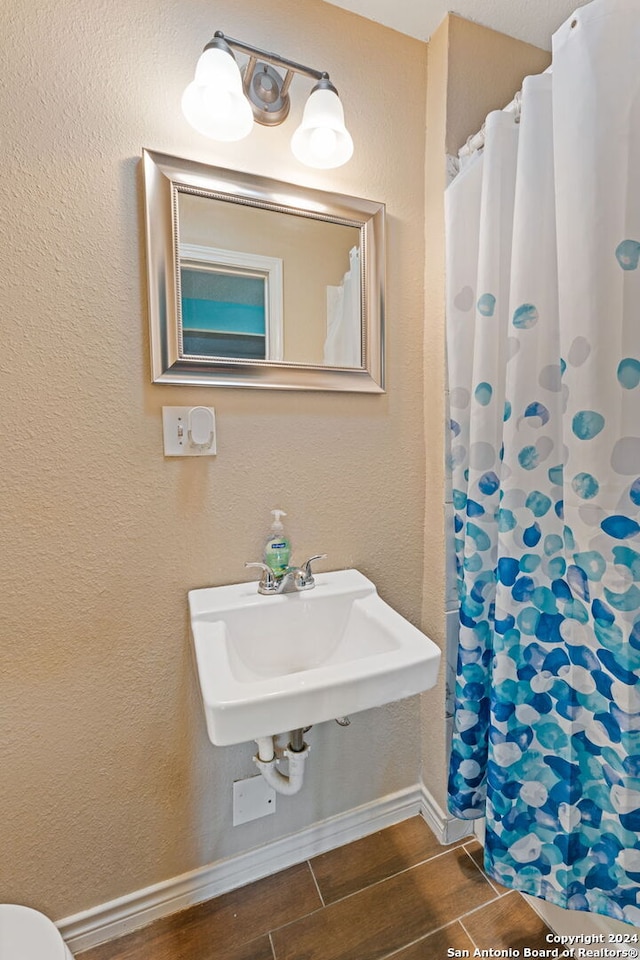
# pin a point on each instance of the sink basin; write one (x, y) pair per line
(269, 665)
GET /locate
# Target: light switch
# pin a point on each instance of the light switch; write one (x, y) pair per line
(189, 431)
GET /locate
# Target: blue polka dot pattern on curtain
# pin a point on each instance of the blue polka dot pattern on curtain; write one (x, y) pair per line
(546, 493)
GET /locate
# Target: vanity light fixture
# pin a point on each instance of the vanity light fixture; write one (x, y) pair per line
(222, 101)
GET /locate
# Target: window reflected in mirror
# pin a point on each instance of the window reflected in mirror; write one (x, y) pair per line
(223, 314)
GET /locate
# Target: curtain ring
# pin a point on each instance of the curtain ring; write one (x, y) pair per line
(517, 103)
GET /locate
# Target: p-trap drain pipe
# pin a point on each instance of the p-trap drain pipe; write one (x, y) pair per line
(296, 753)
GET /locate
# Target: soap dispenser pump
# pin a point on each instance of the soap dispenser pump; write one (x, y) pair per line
(277, 549)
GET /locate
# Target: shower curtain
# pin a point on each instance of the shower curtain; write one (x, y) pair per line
(543, 304)
(342, 346)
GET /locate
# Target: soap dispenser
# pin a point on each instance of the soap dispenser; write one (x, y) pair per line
(277, 548)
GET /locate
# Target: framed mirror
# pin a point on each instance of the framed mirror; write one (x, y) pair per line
(257, 283)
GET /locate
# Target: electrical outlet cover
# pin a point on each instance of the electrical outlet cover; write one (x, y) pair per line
(252, 798)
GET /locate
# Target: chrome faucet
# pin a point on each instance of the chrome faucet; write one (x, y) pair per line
(292, 580)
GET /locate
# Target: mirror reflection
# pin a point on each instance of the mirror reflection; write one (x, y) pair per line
(266, 285)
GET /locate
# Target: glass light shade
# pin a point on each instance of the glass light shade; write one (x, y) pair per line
(322, 140)
(214, 103)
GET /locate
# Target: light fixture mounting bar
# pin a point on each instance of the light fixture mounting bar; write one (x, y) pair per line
(267, 57)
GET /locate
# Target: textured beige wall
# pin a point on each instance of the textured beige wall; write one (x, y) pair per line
(432, 707)
(108, 781)
(486, 69)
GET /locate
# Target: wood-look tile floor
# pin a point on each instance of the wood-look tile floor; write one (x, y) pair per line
(395, 895)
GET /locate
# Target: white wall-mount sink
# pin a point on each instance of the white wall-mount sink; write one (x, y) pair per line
(272, 664)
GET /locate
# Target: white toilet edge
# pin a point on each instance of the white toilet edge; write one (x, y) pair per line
(32, 931)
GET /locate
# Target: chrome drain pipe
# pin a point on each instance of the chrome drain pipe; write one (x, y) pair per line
(297, 740)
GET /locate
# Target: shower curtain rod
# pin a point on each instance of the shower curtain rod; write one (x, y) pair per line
(476, 141)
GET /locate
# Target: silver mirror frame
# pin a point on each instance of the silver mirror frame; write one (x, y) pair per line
(164, 178)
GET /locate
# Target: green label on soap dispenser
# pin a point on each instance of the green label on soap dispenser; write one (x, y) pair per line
(277, 555)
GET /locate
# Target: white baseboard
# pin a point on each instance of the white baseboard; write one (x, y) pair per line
(125, 914)
(447, 829)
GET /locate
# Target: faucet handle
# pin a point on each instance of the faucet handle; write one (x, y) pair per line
(306, 568)
(268, 578)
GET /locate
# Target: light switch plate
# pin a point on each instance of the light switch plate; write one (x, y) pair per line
(252, 798)
(189, 431)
